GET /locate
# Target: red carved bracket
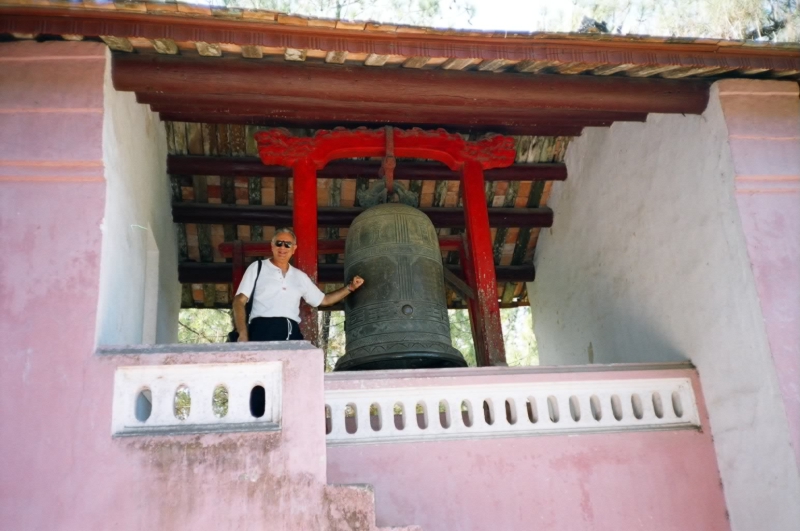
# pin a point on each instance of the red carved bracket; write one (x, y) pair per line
(280, 148)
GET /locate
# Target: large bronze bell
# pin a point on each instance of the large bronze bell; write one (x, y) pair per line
(398, 318)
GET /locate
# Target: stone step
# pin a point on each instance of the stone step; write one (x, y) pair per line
(352, 508)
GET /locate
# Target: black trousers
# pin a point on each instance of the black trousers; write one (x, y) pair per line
(273, 329)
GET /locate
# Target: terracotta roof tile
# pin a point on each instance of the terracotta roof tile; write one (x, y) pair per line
(372, 44)
(260, 15)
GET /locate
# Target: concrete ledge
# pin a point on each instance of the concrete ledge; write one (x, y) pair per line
(227, 348)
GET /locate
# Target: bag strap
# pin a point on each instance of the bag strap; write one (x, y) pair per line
(248, 307)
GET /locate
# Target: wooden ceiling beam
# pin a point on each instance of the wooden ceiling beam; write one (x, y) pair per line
(446, 243)
(406, 120)
(222, 273)
(339, 169)
(325, 110)
(281, 216)
(517, 130)
(223, 118)
(357, 84)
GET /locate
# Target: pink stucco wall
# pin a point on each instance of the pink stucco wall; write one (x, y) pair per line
(51, 206)
(763, 119)
(61, 469)
(654, 480)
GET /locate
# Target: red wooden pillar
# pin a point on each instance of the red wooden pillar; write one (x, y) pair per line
(489, 348)
(304, 219)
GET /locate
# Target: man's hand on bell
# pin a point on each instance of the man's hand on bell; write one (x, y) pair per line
(355, 283)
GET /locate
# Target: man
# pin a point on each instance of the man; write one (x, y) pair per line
(275, 315)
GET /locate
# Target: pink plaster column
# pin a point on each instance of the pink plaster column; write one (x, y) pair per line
(52, 195)
(763, 119)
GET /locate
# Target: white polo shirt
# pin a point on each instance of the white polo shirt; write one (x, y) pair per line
(277, 295)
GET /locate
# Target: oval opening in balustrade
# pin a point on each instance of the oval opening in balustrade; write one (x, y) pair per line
(466, 413)
(328, 422)
(677, 405)
(658, 405)
(350, 418)
(511, 411)
(597, 409)
(574, 408)
(422, 415)
(219, 401)
(375, 416)
(552, 408)
(182, 404)
(444, 414)
(258, 401)
(636, 404)
(144, 405)
(616, 407)
(488, 411)
(533, 411)
(399, 416)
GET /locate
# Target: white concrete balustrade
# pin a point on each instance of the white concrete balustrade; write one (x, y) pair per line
(358, 416)
(153, 399)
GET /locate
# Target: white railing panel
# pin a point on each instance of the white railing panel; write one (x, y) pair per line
(144, 398)
(603, 393)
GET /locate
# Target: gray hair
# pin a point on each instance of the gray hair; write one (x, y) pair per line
(285, 230)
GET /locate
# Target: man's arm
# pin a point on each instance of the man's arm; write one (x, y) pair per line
(239, 318)
(335, 296)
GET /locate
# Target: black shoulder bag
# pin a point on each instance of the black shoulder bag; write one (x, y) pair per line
(233, 336)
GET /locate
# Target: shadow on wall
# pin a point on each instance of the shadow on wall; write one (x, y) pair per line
(620, 334)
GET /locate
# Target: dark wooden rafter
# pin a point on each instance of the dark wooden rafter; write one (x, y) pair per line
(310, 109)
(211, 29)
(464, 90)
(233, 90)
(337, 169)
(260, 120)
(222, 273)
(251, 249)
(342, 217)
(277, 111)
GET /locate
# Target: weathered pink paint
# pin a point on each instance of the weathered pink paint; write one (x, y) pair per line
(654, 480)
(61, 469)
(763, 119)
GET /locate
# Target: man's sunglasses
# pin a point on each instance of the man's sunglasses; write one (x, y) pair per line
(282, 243)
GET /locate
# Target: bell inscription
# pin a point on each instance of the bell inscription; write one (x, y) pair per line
(398, 319)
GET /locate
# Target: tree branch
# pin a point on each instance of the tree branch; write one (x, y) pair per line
(195, 332)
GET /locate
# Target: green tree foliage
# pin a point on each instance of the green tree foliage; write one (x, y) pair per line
(461, 335)
(520, 341)
(518, 336)
(415, 12)
(777, 20)
(334, 349)
(202, 325)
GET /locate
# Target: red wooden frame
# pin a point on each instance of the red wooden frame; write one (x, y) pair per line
(306, 155)
(280, 148)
